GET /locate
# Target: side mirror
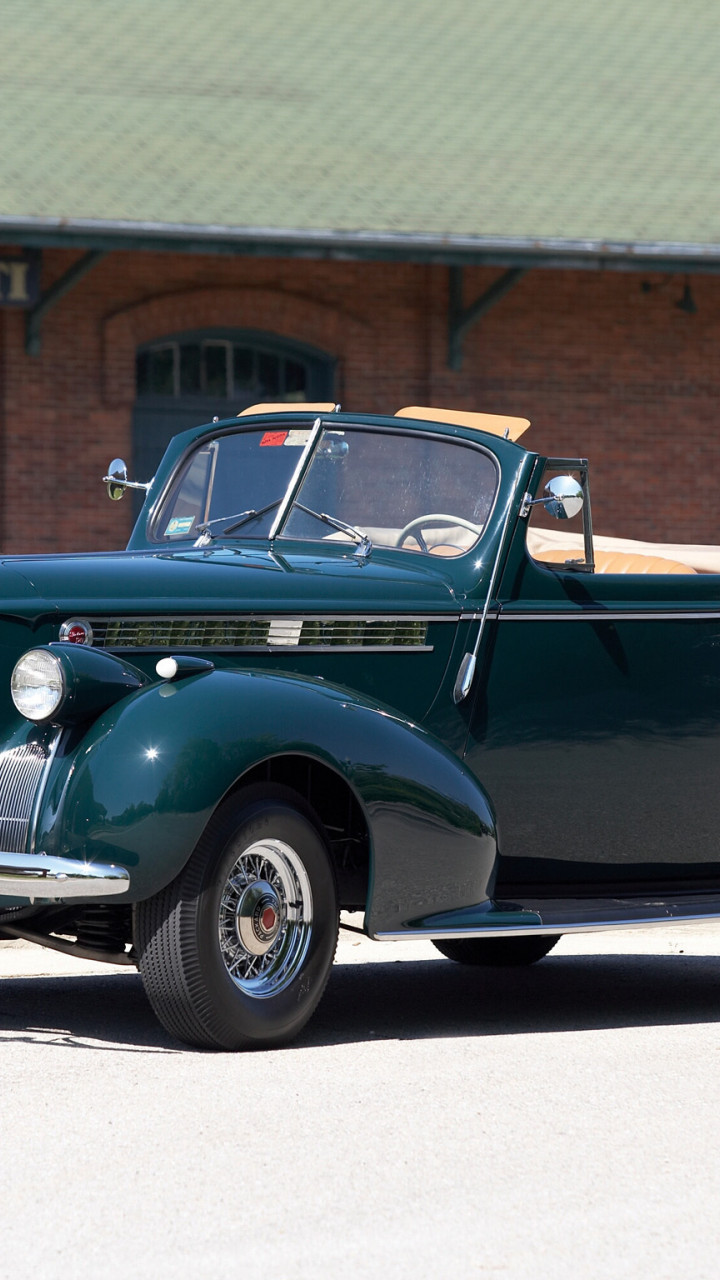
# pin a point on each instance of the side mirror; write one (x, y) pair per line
(564, 497)
(117, 481)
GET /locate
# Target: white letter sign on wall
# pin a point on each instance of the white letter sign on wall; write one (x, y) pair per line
(19, 281)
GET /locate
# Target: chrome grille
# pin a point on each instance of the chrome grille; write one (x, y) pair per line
(21, 770)
(260, 633)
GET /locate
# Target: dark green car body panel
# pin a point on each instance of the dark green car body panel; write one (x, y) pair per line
(151, 774)
(599, 731)
(583, 759)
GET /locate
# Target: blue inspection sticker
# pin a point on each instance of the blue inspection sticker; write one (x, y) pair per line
(179, 525)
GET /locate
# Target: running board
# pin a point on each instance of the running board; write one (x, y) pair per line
(559, 915)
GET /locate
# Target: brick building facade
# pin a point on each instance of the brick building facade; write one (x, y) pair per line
(602, 366)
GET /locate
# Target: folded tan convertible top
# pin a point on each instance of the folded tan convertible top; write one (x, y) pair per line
(494, 423)
(703, 558)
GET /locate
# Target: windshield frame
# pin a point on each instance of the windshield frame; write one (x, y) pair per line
(317, 426)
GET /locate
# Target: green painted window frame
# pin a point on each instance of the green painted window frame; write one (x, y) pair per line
(290, 356)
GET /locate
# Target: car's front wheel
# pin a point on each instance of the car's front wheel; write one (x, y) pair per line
(497, 951)
(236, 951)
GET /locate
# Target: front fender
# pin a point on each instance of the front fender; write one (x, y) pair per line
(143, 781)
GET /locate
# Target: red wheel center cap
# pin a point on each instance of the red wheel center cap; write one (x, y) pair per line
(268, 919)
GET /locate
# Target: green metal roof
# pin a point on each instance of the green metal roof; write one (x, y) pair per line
(395, 126)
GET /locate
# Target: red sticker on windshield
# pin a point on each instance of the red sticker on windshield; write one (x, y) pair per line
(273, 437)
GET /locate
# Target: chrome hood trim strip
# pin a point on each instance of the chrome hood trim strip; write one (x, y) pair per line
(612, 615)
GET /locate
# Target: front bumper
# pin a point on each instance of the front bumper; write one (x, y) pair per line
(36, 875)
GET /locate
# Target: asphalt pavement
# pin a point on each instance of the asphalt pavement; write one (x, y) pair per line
(559, 1121)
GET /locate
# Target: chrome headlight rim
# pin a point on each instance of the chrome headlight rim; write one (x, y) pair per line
(28, 675)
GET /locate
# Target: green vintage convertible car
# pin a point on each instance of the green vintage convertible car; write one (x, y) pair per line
(352, 663)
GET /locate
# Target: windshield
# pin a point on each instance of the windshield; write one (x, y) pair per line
(424, 494)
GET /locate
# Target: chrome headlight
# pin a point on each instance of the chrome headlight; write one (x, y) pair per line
(68, 683)
(37, 684)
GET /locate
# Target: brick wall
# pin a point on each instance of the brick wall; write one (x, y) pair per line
(601, 368)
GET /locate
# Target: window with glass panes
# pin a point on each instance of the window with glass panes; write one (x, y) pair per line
(221, 368)
(186, 379)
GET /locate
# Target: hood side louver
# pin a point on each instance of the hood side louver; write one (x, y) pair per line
(233, 633)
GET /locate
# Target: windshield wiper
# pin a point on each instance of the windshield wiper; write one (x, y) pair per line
(282, 504)
(364, 546)
(236, 522)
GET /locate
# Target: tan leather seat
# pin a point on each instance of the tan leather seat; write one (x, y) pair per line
(618, 561)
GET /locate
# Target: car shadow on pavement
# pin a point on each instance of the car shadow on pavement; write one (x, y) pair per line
(394, 1000)
(411, 1000)
(102, 1011)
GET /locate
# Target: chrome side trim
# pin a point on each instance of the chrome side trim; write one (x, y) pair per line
(454, 616)
(284, 648)
(607, 615)
(38, 876)
(557, 926)
(324, 648)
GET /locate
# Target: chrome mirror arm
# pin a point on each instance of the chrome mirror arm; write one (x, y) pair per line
(117, 481)
(563, 498)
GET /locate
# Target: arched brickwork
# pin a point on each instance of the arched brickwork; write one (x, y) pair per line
(288, 315)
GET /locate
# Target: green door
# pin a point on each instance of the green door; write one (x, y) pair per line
(596, 727)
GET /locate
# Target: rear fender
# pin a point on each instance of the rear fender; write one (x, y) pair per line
(142, 783)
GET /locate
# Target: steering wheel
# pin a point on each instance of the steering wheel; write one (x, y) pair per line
(435, 518)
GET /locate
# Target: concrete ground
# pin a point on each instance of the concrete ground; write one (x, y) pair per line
(559, 1121)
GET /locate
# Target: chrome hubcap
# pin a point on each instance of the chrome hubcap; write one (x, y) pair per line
(258, 917)
(265, 918)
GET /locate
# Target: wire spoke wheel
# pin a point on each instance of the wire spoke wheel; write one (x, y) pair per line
(265, 918)
(235, 952)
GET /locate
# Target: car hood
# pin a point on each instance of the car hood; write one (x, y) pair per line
(221, 580)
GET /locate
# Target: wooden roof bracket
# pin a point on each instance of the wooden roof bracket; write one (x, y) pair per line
(461, 318)
(34, 317)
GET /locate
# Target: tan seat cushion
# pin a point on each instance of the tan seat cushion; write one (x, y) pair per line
(701, 558)
(444, 541)
(618, 561)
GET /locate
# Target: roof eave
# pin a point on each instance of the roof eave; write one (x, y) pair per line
(320, 243)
